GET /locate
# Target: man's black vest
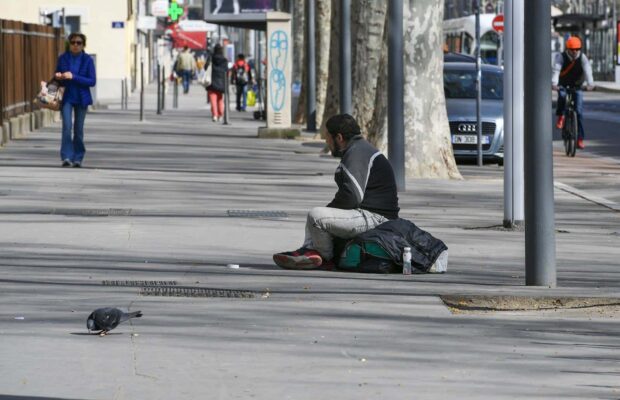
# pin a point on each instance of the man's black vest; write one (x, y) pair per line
(572, 71)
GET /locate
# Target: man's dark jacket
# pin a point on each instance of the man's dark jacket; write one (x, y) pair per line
(365, 180)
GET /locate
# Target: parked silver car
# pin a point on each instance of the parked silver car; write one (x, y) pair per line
(460, 90)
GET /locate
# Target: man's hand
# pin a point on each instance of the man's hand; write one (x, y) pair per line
(554, 87)
(58, 75)
(590, 88)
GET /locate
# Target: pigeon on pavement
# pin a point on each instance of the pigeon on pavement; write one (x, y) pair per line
(106, 319)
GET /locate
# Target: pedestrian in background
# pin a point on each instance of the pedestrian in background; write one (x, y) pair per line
(75, 70)
(216, 89)
(186, 67)
(241, 76)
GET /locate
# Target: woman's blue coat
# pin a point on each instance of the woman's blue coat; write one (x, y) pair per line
(82, 81)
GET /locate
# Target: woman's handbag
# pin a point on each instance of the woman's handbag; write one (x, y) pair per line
(50, 96)
(206, 78)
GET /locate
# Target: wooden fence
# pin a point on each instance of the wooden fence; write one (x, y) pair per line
(28, 54)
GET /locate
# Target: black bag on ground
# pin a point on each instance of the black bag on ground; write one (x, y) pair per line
(380, 250)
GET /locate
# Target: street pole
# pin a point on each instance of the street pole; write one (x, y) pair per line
(259, 71)
(122, 94)
(311, 68)
(141, 89)
(226, 101)
(513, 114)
(478, 84)
(175, 93)
(396, 122)
(163, 88)
(126, 94)
(345, 56)
(540, 265)
(158, 89)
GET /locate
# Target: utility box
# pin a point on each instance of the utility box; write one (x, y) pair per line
(279, 62)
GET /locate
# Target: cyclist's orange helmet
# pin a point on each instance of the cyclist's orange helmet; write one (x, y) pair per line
(573, 43)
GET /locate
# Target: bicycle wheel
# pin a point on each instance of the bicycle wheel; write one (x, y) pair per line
(566, 134)
(574, 129)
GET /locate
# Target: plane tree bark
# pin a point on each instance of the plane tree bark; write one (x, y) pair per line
(428, 150)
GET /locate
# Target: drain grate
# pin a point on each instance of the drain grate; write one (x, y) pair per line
(139, 283)
(196, 292)
(93, 212)
(256, 214)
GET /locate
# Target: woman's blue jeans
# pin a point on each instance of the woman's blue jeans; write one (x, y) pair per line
(72, 149)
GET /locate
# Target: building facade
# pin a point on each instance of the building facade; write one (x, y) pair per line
(594, 21)
(111, 30)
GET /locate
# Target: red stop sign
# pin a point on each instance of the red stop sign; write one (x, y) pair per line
(498, 23)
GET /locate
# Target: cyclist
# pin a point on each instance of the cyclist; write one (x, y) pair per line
(570, 69)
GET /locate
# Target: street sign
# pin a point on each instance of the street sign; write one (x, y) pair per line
(159, 8)
(498, 23)
(118, 24)
(147, 22)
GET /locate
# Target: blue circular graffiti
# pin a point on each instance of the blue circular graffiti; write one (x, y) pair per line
(278, 54)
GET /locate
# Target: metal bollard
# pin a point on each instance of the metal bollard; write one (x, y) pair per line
(226, 103)
(126, 95)
(141, 90)
(122, 94)
(158, 89)
(163, 88)
(175, 94)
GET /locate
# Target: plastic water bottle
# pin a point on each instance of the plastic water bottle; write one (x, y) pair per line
(407, 261)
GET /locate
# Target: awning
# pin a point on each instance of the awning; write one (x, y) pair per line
(195, 40)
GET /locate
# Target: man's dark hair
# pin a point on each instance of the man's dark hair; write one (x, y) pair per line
(77, 35)
(343, 124)
(241, 56)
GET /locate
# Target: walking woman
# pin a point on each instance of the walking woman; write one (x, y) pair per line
(217, 87)
(75, 71)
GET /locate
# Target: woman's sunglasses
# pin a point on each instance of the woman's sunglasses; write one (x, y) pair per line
(77, 43)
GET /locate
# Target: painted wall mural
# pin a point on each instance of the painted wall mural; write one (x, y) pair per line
(278, 54)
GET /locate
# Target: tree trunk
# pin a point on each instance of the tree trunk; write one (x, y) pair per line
(377, 129)
(299, 68)
(323, 45)
(428, 150)
(332, 101)
(366, 49)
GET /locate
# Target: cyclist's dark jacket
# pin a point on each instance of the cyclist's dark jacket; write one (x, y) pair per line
(365, 180)
(572, 73)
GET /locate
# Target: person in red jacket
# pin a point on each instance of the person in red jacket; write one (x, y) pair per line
(241, 77)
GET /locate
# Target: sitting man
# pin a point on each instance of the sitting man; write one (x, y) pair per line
(366, 197)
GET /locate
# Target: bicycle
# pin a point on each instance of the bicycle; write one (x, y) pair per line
(570, 130)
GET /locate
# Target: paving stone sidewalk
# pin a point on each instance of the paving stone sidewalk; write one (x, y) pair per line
(158, 201)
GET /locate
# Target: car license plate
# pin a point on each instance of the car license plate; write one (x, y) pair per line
(469, 139)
